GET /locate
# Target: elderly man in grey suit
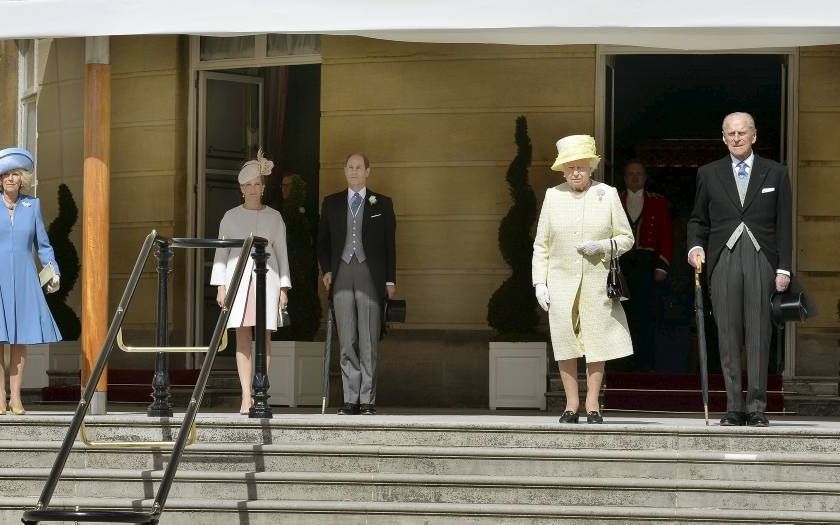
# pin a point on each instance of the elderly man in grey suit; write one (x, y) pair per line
(357, 253)
(741, 225)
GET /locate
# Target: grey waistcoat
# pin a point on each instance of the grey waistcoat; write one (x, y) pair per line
(353, 239)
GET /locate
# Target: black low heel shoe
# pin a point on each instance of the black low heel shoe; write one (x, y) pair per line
(594, 417)
(569, 417)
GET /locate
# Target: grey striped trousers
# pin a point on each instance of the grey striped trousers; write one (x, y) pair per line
(741, 287)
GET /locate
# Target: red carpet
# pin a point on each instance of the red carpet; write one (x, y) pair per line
(123, 386)
(676, 392)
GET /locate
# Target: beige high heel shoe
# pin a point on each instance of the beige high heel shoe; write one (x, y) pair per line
(18, 411)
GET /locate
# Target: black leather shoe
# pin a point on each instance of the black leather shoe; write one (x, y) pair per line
(733, 419)
(594, 417)
(757, 419)
(348, 409)
(569, 417)
(367, 410)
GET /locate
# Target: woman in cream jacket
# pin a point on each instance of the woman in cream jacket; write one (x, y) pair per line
(238, 223)
(579, 221)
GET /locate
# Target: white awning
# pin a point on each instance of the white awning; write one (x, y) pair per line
(673, 24)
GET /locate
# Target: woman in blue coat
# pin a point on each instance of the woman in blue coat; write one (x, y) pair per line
(25, 318)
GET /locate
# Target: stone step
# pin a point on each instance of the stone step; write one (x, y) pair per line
(424, 460)
(451, 431)
(415, 488)
(271, 512)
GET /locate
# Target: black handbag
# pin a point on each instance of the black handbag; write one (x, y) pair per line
(283, 319)
(616, 285)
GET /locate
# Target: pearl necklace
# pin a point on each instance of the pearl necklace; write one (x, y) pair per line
(10, 205)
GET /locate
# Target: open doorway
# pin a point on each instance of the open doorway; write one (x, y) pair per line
(666, 110)
(240, 111)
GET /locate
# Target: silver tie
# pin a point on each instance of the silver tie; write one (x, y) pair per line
(743, 180)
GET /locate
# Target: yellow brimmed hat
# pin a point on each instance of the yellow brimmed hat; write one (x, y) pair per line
(572, 148)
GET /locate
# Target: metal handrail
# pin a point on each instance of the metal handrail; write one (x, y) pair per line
(115, 445)
(168, 349)
(41, 512)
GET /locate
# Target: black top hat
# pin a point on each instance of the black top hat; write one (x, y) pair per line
(395, 310)
(788, 306)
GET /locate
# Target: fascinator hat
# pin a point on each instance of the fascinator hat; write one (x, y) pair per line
(16, 159)
(254, 168)
(575, 147)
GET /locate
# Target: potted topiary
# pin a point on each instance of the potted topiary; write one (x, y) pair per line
(68, 262)
(60, 359)
(518, 363)
(296, 361)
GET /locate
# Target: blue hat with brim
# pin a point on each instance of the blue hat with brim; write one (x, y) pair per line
(16, 159)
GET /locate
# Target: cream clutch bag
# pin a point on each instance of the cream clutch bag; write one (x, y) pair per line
(46, 274)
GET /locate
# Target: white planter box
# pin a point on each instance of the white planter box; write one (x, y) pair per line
(40, 358)
(295, 373)
(66, 356)
(518, 375)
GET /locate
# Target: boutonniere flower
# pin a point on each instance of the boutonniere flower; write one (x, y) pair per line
(26, 204)
(302, 209)
(372, 200)
(600, 193)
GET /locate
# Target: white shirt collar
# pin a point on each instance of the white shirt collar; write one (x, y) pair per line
(636, 194)
(362, 192)
(749, 161)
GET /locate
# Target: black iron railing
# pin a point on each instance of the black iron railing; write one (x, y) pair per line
(161, 405)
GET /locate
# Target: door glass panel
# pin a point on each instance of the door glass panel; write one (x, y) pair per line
(232, 135)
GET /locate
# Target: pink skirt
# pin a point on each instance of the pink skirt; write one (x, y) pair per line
(249, 318)
(249, 315)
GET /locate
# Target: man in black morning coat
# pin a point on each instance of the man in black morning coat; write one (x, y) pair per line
(357, 253)
(741, 227)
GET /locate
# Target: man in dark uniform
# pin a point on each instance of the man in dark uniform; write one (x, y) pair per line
(647, 264)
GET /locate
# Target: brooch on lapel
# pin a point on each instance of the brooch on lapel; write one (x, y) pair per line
(26, 204)
(600, 193)
(372, 200)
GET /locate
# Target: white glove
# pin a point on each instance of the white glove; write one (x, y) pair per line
(589, 248)
(54, 284)
(541, 291)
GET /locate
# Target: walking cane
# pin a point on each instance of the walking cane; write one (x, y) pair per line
(701, 339)
(325, 380)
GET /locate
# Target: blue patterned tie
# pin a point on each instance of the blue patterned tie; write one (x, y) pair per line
(742, 180)
(355, 203)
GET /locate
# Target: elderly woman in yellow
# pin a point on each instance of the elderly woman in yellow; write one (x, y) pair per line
(238, 223)
(579, 222)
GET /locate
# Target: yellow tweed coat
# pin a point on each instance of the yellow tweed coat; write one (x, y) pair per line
(577, 283)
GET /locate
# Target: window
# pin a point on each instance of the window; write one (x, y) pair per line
(28, 95)
(220, 48)
(288, 45)
(243, 50)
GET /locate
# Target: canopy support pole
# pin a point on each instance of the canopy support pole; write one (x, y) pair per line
(96, 212)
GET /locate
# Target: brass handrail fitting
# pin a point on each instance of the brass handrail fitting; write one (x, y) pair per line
(169, 349)
(115, 445)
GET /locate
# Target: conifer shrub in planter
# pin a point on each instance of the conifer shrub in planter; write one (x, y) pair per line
(68, 263)
(512, 310)
(517, 359)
